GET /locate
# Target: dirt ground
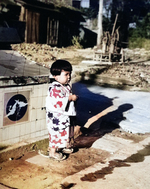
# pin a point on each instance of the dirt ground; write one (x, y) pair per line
(134, 74)
(19, 173)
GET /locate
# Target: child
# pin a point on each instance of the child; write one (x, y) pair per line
(59, 108)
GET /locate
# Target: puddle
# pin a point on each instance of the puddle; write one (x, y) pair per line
(139, 156)
(135, 158)
(100, 174)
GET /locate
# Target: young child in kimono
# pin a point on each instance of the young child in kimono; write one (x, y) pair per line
(59, 108)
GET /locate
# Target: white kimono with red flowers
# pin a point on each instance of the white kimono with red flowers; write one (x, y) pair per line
(58, 110)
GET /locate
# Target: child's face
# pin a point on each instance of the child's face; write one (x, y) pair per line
(64, 77)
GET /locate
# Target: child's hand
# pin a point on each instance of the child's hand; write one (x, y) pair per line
(73, 97)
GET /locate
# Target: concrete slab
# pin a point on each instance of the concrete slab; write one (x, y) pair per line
(131, 176)
(2, 70)
(14, 64)
(115, 173)
(39, 160)
(138, 117)
(96, 62)
(119, 148)
(110, 143)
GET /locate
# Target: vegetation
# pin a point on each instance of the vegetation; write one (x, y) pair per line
(140, 36)
(90, 12)
(139, 43)
(129, 11)
(135, 11)
(76, 42)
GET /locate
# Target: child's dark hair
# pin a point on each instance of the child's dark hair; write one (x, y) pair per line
(60, 65)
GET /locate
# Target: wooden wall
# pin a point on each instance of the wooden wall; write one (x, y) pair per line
(48, 27)
(32, 20)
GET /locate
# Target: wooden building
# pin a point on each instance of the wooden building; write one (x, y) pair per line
(49, 24)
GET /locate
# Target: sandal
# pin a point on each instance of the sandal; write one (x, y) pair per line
(67, 150)
(58, 157)
(43, 153)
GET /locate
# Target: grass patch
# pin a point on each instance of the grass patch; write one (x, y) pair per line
(139, 43)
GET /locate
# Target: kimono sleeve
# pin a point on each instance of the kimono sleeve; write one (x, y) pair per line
(57, 99)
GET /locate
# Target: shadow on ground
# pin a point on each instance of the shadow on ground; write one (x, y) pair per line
(88, 105)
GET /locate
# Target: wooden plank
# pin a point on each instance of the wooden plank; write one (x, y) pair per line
(50, 32)
(37, 27)
(33, 28)
(22, 16)
(48, 28)
(57, 32)
(28, 26)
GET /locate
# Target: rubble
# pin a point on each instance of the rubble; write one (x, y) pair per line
(134, 71)
(44, 54)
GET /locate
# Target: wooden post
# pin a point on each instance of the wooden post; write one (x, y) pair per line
(100, 27)
(48, 30)
(22, 14)
(114, 25)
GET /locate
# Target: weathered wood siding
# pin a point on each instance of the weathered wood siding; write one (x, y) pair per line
(49, 26)
(32, 27)
(32, 20)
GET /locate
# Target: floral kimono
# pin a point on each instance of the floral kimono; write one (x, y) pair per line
(58, 110)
